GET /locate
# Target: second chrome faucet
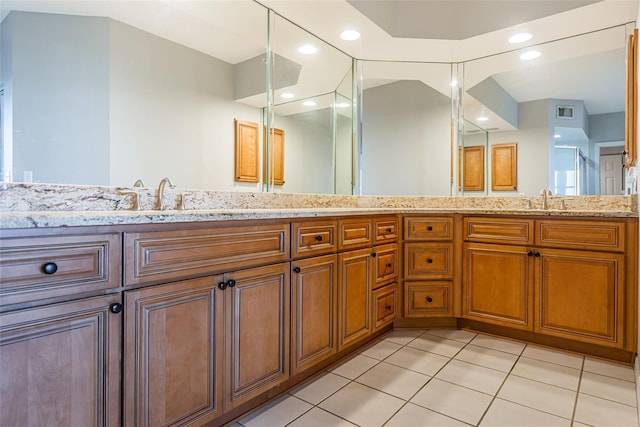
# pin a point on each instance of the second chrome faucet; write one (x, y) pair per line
(161, 203)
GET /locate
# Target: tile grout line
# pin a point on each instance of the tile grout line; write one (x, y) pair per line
(575, 402)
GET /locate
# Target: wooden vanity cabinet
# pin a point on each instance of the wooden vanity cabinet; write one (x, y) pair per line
(60, 322)
(429, 268)
(519, 273)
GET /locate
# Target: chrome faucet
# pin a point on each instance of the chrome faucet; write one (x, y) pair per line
(545, 202)
(161, 205)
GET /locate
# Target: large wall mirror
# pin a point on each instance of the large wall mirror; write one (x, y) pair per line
(106, 92)
(564, 108)
(406, 128)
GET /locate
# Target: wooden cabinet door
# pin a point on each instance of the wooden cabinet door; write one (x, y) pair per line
(354, 285)
(580, 295)
(60, 365)
(314, 327)
(257, 316)
(173, 351)
(498, 285)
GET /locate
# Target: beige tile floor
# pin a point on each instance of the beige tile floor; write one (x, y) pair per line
(457, 378)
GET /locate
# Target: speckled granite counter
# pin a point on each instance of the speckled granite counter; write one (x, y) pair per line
(39, 205)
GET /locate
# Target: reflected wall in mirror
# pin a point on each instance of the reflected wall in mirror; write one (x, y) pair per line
(565, 108)
(406, 128)
(311, 103)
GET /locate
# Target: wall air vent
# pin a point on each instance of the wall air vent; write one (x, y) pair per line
(564, 112)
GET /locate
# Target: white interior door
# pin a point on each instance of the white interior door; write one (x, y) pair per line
(611, 174)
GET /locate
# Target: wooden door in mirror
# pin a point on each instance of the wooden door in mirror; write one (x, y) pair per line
(246, 141)
(274, 157)
(504, 170)
(631, 100)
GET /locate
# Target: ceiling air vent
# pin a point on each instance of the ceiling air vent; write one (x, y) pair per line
(564, 112)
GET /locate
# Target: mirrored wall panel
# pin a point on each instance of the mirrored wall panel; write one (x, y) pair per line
(563, 104)
(406, 128)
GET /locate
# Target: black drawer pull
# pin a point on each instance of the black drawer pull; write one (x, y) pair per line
(389, 230)
(222, 285)
(430, 228)
(429, 260)
(389, 265)
(49, 268)
(297, 270)
(373, 254)
(115, 308)
(429, 299)
(536, 254)
(319, 238)
(388, 307)
(530, 253)
(231, 283)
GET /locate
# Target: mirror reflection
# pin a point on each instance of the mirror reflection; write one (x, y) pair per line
(107, 92)
(564, 108)
(406, 128)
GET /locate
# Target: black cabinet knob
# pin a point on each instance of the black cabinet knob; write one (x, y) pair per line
(537, 254)
(297, 270)
(429, 260)
(388, 307)
(430, 228)
(429, 299)
(530, 253)
(389, 265)
(319, 238)
(231, 283)
(49, 268)
(388, 230)
(222, 285)
(115, 308)
(373, 254)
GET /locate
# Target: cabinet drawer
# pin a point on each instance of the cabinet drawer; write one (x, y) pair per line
(428, 228)
(427, 299)
(590, 235)
(355, 233)
(37, 268)
(498, 230)
(428, 260)
(384, 306)
(385, 229)
(162, 256)
(385, 264)
(314, 238)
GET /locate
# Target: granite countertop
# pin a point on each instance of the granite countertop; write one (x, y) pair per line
(39, 219)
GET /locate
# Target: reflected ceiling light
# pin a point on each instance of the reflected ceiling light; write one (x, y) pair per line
(309, 103)
(287, 95)
(350, 35)
(454, 83)
(520, 38)
(557, 135)
(307, 49)
(342, 104)
(482, 119)
(529, 55)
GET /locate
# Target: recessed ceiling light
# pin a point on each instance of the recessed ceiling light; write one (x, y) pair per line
(529, 55)
(342, 104)
(520, 38)
(287, 95)
(557, 135)
(309, 103)
(350, 35)
(482, 119)
(307, 49)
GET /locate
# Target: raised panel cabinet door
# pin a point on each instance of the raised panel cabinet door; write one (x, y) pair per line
(314, 326)
(60, 364)
(384, 306)
(385, 264)
(354, 284)
(498, 285)
(580, 295)
(173, 349)
(257, 319)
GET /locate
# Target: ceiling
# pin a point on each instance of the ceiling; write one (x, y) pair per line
(393, 30)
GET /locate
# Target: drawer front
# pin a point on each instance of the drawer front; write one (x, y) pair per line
(498, 230)
(386, 229)
(428, 260)
(162, 256)
(423, 299)
(37, 268)
(314, 238)
(428, 228)
(355, 233)
(384, 306)
(590, 235)
(385, 264)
